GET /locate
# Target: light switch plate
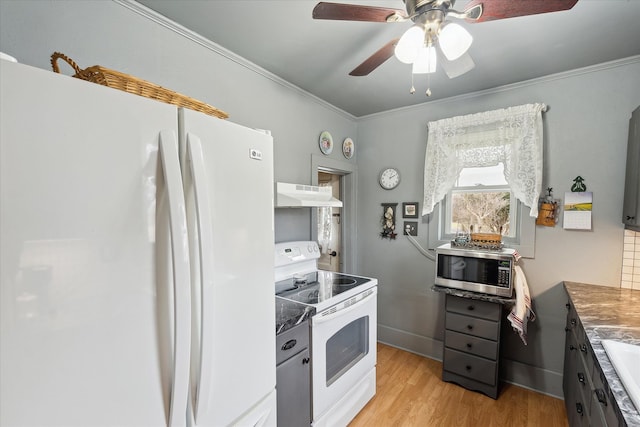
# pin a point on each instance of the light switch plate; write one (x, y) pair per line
(410, 228)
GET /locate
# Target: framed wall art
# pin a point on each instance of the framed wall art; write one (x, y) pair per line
(410, 210)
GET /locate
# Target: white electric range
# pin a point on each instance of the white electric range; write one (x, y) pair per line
(343, 310)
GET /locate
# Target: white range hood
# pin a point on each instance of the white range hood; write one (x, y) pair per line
(304, 196)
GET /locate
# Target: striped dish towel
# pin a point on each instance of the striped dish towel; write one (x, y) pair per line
(521, 312)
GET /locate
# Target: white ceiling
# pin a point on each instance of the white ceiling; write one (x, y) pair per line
(317, 55)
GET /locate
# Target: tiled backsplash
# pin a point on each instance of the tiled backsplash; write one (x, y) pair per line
(631, 260)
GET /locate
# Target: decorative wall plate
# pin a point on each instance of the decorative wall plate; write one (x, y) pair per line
(326, 142)
(348, 148)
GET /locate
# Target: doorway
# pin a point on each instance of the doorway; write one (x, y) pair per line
(329, 226)
(346, 174)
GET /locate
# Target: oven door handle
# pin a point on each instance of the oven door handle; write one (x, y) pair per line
(319, 318)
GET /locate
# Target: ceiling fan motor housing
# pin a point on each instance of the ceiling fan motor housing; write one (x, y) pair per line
(417, 7)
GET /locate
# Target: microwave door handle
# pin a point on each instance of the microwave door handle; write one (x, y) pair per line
(319, 318)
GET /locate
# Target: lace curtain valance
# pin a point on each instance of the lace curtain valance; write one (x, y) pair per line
(512, 136)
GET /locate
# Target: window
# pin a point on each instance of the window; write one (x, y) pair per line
(485, 170)
(496, 208)
(481, 201)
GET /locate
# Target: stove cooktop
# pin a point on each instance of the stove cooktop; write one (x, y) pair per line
(322, 288)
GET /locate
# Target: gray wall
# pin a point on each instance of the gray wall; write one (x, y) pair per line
(114, 36)
(585, 129)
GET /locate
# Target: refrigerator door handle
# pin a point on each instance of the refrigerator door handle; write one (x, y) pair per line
(181, 280)
(204, 219)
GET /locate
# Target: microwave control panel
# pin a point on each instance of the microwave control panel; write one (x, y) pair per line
(504, 273)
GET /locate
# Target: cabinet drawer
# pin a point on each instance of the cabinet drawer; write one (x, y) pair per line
(603, 404)
(469, 366)
(472, 326)
(482, 309)
(470, 344)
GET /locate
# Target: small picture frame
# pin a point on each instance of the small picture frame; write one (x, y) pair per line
(410, 210)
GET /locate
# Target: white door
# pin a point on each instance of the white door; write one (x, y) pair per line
(86, 333)
(229, 188)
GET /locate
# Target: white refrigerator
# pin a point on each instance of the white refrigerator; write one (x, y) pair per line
(136, 260)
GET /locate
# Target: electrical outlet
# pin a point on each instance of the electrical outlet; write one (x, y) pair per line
(411, 228)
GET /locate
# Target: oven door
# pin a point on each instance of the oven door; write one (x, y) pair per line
(343, 351)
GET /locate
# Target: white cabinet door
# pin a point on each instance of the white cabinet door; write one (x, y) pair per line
(85, 330)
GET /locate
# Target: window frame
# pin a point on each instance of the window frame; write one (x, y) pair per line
(525, 225)
(514, 209)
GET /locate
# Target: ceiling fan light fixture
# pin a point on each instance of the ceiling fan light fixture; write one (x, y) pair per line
(409, 44)
(426, 61)
(454, 40)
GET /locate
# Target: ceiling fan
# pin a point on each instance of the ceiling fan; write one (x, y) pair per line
(432, 30)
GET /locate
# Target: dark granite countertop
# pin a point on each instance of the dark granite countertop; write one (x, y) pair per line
(609, 313)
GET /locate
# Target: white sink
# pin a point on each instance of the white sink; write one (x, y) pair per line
(624, 358)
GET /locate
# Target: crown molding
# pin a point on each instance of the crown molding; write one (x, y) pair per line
(219, 50)
(544, 79)
(231, 56)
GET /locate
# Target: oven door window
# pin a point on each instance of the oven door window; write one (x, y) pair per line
(346, 347)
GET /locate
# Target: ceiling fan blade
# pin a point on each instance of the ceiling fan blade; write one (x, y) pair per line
(502, 9)
(456, 68)
(352, 12)
(375, 60)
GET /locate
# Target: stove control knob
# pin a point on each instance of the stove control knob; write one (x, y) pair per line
(310, 248)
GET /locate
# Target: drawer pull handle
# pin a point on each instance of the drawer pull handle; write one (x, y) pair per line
(583, 348)
(601, 396)
(568, 306)
(469, 327)
(289, 345)
(573, 322)
(581, 377)
(471, 308)
(468, 367)
(572, 347)
(469, 345)
(579, 408)
(567, 329)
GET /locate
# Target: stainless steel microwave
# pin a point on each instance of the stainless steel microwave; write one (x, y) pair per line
(487, 272)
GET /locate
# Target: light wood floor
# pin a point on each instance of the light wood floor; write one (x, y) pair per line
(410, 392)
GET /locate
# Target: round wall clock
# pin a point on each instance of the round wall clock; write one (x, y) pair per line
(389, 178)
(326, 142)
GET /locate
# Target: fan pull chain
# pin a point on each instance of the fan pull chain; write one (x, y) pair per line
(413, 89)
(428, 92)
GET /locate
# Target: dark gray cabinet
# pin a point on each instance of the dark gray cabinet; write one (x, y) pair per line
(588, 399)
(631, 207)
(293, 377)
(472, 344)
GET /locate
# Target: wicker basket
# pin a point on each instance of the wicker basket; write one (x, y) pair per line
(486, 238)
(131, 84)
